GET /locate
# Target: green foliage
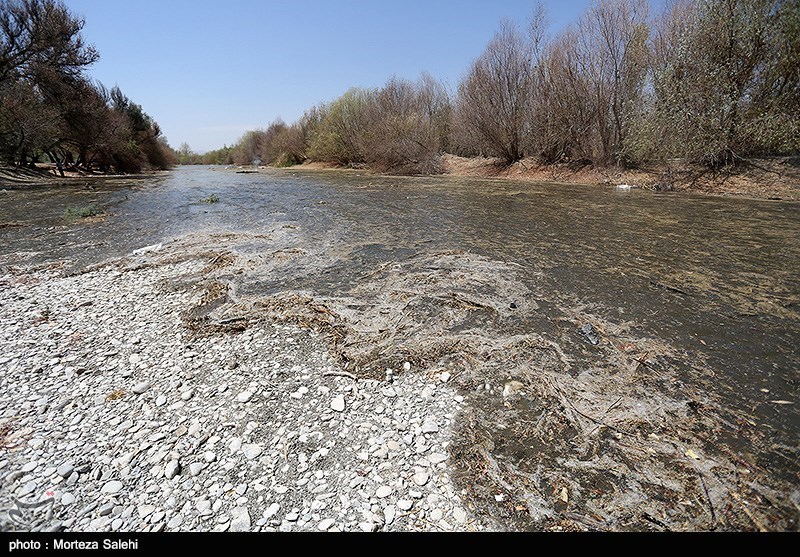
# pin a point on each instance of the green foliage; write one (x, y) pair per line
(84, 212)
(213, 198)
(285, 160)
(340, 129)
(50, 108)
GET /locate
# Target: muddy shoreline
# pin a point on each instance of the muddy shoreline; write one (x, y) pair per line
(774, 179)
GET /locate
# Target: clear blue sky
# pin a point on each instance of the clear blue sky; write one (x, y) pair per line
(209, 71)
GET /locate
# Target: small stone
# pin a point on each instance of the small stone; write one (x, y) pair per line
(161, 400)
(383, 491)
(65, 470)
(99, 524)
(235, 444)
(460, 515)
(88, 508)
(389, 514)
(445, 377)
(251, 450)
(114, 486)
(145, 510)
(196, 467)
(244, 396)
(209, 456)
(405, 504)
(272, 510)
(240, 520)
(105, 509)
(436, 515)
(30, 467)
(326, 524)
(175, 521)
(420, 478)
(406, 366)
(511, 388)
(187, 395)
(292, 517)
(139, 388)
(337, 404)
(67, 499)
(172, 469)
(430, 426)
(436, 458)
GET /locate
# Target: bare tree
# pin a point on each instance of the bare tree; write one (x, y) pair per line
(612, 55)
(407, 126)
(27, 124)
(493, 101)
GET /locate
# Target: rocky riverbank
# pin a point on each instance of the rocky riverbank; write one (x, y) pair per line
(115, 417)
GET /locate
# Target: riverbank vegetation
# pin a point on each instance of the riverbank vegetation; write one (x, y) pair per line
(711, 82)
(51, 111)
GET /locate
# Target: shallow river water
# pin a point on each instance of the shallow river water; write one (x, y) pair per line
(714, 279)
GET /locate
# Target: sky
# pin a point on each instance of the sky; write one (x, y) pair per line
(209, 71)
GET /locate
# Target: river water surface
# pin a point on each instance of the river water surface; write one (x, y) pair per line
(714, 279)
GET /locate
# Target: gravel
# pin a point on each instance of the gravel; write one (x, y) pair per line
(128, 422)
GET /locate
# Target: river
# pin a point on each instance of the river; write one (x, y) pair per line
(694, 299)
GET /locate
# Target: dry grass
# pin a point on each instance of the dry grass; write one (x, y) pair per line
(115, 395)
(6, 430)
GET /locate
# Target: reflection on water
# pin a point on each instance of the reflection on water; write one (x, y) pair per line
(715, 278)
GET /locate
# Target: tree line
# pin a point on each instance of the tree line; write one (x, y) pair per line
(707, 81)
(50, 109)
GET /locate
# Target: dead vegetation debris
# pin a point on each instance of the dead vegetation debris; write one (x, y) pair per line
(556, 434)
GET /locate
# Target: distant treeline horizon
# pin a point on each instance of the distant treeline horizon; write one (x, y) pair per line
(707, 81)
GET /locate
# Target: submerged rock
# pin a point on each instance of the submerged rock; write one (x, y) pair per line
(590, 334)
